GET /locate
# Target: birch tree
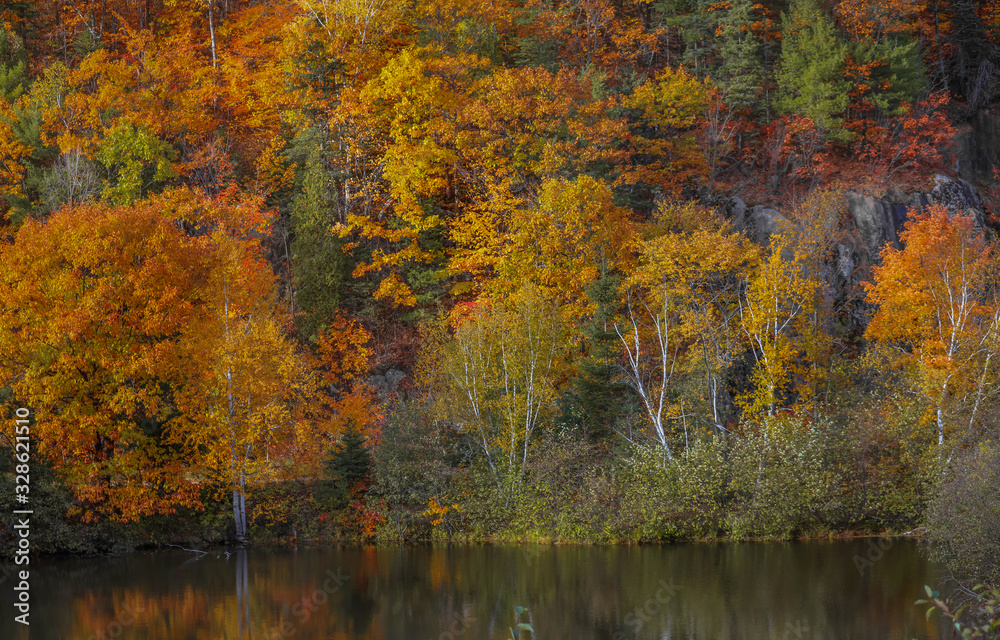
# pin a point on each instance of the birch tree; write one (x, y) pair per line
(499, 368)
(244, 379)
(938, 311)
(774, 315)
(680, 318)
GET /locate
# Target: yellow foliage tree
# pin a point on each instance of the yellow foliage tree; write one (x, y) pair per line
(497, 378)
(563, 241)
(683, 301)
(774, 314)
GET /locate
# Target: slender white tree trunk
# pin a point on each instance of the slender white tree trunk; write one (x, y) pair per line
(240, 509)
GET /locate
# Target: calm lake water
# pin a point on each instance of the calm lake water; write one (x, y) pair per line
(772, 591)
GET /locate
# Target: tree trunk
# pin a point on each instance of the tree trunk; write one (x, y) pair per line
(211, 31)
(940, 426)
(240, 510)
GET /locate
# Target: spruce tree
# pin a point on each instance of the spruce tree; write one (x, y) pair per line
(898, 79)
(698, 22)
(598, 392)
(740, 72)
(346, 470)
(811, 79)
(319, 265)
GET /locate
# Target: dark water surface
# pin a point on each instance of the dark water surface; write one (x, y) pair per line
(787, 591)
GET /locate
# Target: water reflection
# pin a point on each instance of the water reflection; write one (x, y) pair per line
(245, 622)
(712, 591)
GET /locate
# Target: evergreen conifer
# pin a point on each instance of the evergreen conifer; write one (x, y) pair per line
(346, 470)
(811, 79)
(319, 265)
(740, 72)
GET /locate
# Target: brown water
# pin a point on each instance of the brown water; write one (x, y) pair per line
(771, 591)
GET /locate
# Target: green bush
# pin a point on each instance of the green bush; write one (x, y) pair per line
(683, 499)
(565, 493)
(781, 480)
(409, 468)
(888, 461)
(487, 510)
(963, 521)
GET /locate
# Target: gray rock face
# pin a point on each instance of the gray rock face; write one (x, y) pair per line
(765, 223)
(845, 262)
(875, 220)
(871, 224)
(736, 213)
(758, 223)
(385, 385)
(881, 221)
(960, 197)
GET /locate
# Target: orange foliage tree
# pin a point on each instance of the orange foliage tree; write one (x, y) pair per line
(344, 355)
(939, 313)
(91, 303)
(913, 142)
(153, 356)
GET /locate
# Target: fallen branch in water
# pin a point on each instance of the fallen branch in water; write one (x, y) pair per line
(186, 549)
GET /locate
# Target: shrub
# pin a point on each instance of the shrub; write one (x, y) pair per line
(565, 493)
(963, 521)
(674, 500)
(409, 470)
(780, 479)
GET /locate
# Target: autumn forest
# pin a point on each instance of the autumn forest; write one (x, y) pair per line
(581, 271)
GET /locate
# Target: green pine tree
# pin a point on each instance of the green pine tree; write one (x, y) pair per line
(901, 68)
(740, 72)
(811, 81)
(346, 470)
(319, 265)
(698, 22)
(598, 397)
(27, 125)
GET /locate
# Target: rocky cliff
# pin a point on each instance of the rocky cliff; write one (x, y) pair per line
(977, 148)
(869, 225)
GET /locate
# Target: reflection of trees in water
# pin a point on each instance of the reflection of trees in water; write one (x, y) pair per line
(752, 591)
(244, 624)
